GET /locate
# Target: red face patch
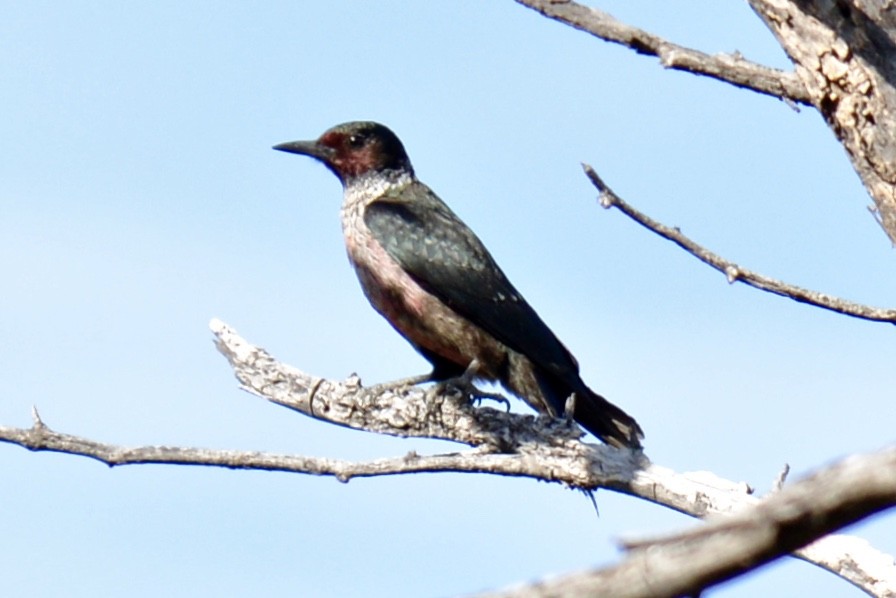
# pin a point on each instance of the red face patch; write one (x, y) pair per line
(350, 158)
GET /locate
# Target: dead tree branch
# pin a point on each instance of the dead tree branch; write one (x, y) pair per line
(687, 563)
(845, 56)
(504, 444)
(732, 271)
(39, 437)
(731, 68)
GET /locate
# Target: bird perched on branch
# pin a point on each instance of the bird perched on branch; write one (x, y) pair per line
(431, 277)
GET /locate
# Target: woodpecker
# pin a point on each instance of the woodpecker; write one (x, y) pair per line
(431, 277)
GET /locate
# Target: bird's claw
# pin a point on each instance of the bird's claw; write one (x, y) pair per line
(464, 385)
(481, 395)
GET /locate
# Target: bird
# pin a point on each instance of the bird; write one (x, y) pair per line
(428, 274)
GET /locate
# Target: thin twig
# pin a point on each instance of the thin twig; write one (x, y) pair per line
(732, 271)
(730, 68)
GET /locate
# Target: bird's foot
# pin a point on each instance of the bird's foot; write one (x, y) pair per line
(480, 395)
(464, 385)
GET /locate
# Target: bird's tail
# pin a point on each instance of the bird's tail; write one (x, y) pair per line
(599, 416)
(606, 421)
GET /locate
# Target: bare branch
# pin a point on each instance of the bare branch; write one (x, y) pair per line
(506, 444)
(732, 271)
(41, 438)
(731, 68)
(543, 455)
(398, 410)
(850, 558)
(685, 564)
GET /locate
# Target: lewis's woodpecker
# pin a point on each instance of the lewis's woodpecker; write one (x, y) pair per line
(431, 277)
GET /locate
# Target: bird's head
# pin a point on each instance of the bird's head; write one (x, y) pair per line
(355, 149)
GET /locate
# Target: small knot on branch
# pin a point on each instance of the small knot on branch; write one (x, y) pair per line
(732, 273)
(781, 478)
(606, 199)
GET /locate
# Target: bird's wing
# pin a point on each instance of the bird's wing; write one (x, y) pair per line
(446, 258)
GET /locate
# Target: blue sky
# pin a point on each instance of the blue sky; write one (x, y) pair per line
(139, 198)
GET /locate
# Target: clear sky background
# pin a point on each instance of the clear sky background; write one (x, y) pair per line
(139, 198)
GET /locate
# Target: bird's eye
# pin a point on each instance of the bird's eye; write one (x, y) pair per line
(355, 141)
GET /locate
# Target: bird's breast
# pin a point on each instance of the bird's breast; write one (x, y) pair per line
(421, 317)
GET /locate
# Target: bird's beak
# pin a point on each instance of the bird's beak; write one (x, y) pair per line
(307, 148)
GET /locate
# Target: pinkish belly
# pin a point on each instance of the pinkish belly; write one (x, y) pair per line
(420, 317)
